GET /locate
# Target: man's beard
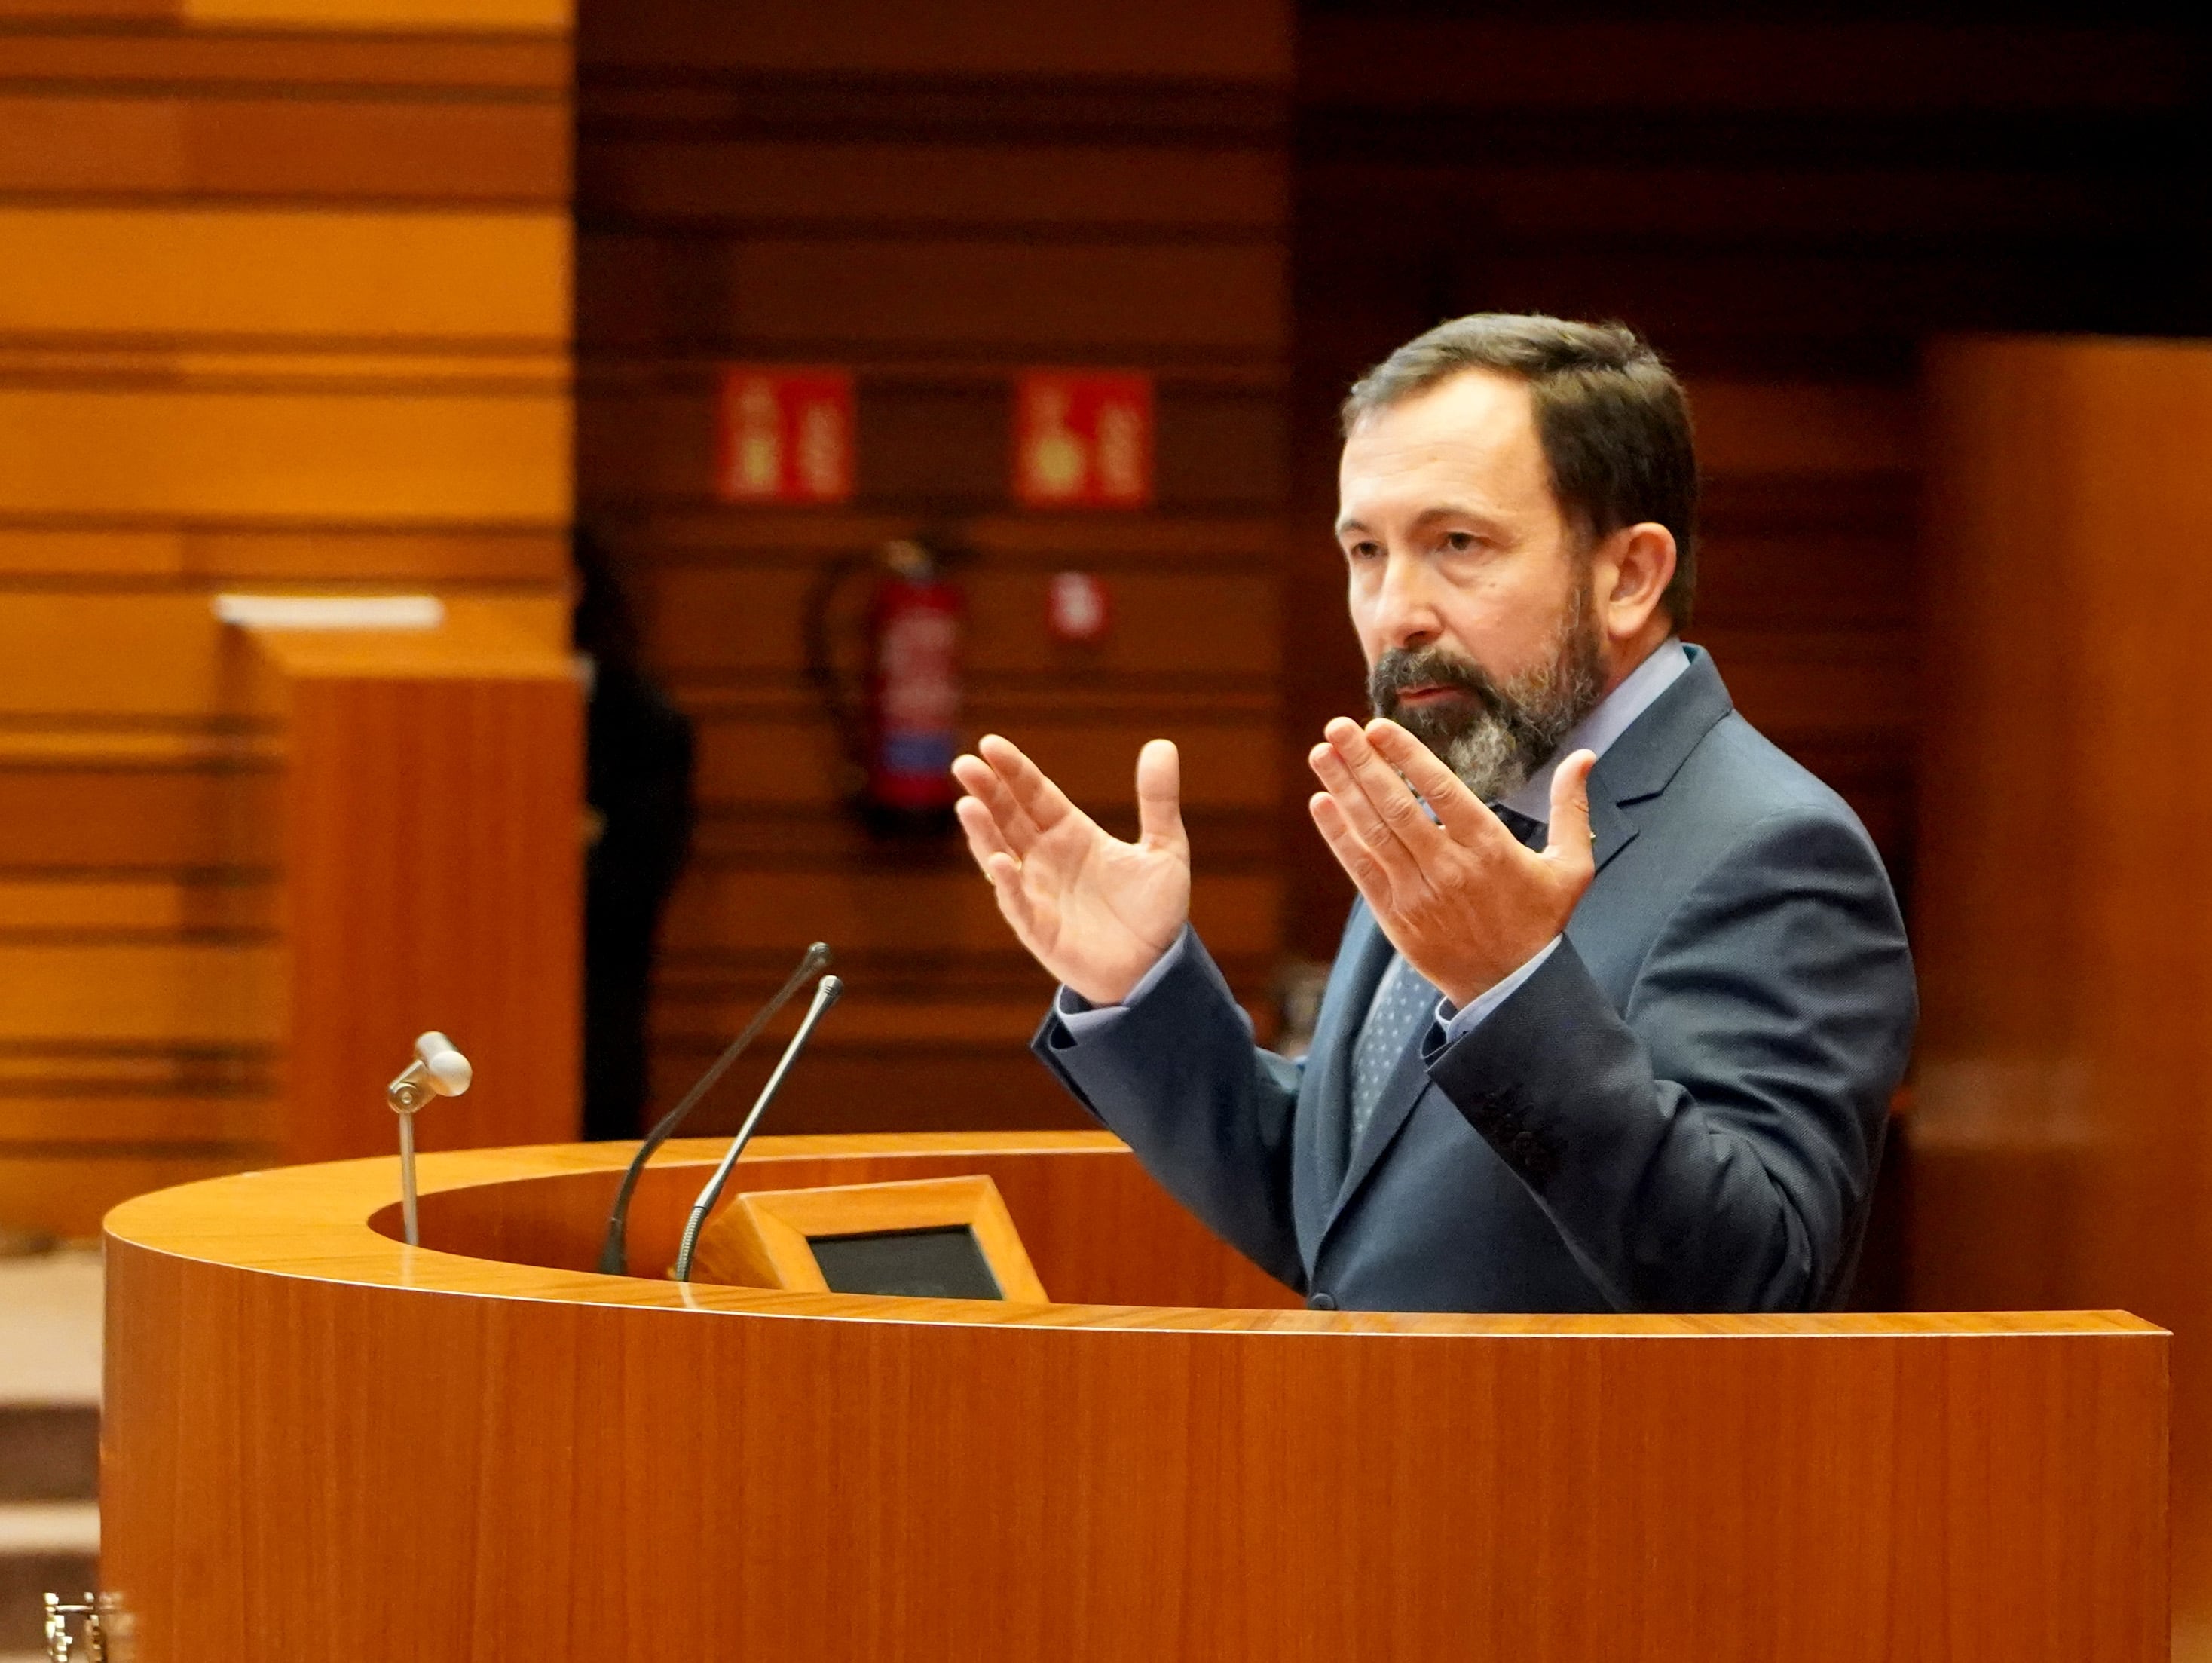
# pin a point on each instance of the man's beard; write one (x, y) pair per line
(1494, 735)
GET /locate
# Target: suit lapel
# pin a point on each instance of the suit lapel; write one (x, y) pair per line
(1637, 766)
(1409, 1078)
(1327, 1097)
(1610, 827)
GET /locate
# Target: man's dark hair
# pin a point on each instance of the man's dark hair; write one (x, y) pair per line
(1612, 418)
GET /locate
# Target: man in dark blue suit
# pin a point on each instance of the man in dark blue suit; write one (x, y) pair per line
(1617, 1019)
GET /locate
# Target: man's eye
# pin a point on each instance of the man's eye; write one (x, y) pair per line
(1359, 551)
(1461, 542)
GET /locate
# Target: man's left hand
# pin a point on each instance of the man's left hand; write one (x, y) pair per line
(1458, 894)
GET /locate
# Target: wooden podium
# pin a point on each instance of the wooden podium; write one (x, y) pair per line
(320, 1445)
(431, 811)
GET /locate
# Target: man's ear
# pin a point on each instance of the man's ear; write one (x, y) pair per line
(1632, 569)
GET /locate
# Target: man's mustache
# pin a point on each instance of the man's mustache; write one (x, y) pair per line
(1400, 668)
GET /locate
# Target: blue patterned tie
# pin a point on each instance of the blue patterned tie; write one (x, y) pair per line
(1404, 1003)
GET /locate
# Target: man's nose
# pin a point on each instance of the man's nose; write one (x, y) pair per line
(1405, 608)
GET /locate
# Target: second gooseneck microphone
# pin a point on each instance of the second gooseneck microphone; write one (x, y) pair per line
(616, 1250)
(613, 1251)
(825, 994)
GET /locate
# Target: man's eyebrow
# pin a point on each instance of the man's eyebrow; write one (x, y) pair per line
(1425, 517)
(1449, 511)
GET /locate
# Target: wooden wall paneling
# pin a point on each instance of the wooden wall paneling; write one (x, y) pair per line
(1147, 41)
(1851, 64)
(286, 308)
(936, 203)
(2061, 1147)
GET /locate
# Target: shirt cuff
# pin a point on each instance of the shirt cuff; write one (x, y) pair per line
(1082, 1019)
(1459, 1024)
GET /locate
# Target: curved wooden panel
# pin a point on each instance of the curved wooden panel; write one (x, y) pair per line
(303, 1417)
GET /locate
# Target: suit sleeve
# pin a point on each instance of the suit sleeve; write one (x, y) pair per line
(1177, 1075)
(1711, 1148)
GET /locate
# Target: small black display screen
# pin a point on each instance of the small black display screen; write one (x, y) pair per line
(947, 1263)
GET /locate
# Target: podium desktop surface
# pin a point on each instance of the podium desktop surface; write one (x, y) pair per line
(320, 1444)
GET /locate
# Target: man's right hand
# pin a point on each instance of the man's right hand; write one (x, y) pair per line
(1095, 911)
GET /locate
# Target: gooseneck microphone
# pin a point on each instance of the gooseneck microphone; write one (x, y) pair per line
(437, 1070)
(613, 1251)
(825, 994)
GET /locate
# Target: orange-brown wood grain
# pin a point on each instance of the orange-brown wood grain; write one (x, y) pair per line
(2060, 1131)
(286, 307)
(834, 187)
(304, 1418)
(432, 879)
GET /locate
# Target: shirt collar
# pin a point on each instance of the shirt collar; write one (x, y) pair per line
(1596, 732)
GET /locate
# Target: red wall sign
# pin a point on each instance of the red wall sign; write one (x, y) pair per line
(1082, 439)
(784, 435)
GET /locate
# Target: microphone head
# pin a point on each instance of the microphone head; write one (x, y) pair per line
(448, 1071)
(828, 990)
(817, 957)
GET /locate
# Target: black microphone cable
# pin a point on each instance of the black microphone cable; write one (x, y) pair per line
(825, 994)
(613, 1252)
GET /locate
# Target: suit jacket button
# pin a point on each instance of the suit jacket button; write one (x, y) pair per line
(1322, 1302)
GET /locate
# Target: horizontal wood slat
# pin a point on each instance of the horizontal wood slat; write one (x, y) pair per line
(346, 558)
(837, 296)
(1643, 199)
(133, 819)
(290, 61)
(420, 457)
(1144, 41)
(81, 906)
(704, 619)
(1813, 579)
(334, 149)
(111, 1118)
(1870, 64)
(472, 15)
(475, 16)
(1226, 765)
(1089, 186)
(353, 275)
(169, 993)
(76, 1068)
(664, 532)
(1764, 428)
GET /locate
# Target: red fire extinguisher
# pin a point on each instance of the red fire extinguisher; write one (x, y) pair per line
(901, 731)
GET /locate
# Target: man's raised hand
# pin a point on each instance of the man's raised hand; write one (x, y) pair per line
(1458, 895)
(1094, 910)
